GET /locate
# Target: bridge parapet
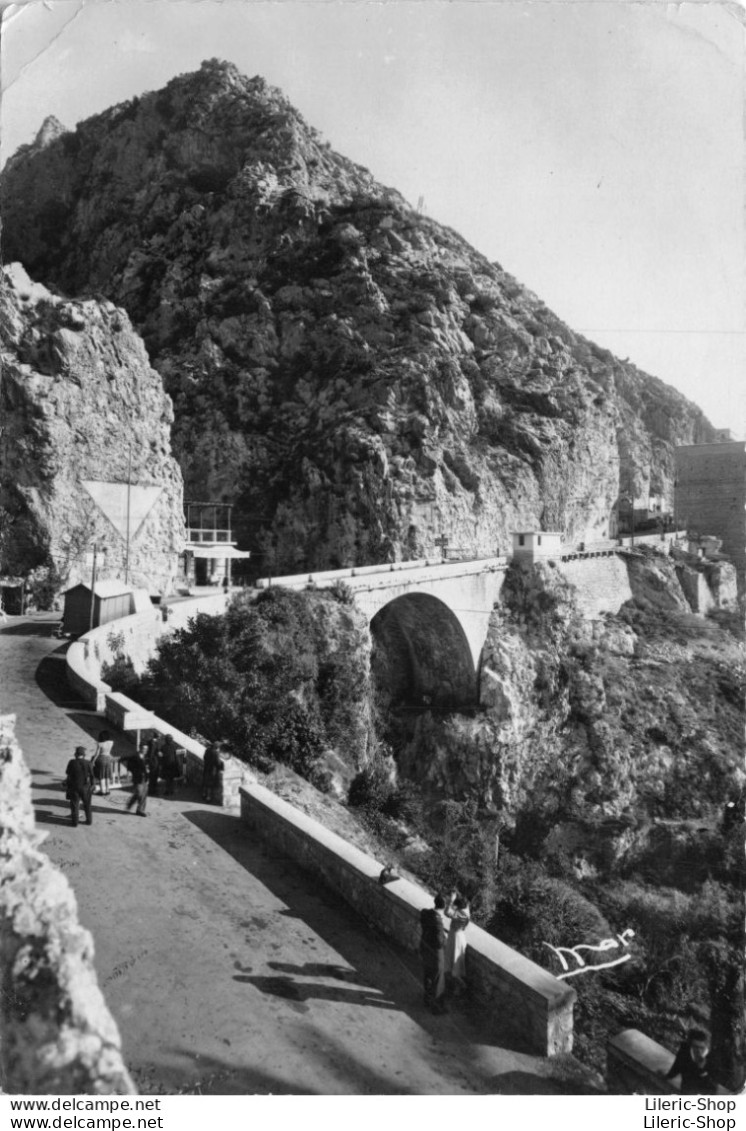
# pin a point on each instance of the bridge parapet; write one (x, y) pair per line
(394, 575)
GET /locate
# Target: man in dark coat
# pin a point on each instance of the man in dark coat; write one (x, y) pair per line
(432, 953)
(139, 771)
(691, 1064)
(79, 785)
(170, 768)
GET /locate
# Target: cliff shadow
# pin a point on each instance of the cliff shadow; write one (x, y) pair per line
(51, 679)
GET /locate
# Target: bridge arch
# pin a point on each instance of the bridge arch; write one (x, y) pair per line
(422, 653)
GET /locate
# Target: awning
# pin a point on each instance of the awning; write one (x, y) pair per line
(215, 551)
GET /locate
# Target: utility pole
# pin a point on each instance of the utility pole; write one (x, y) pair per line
(93, 586)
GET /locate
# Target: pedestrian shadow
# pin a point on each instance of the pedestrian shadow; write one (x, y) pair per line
(51, 801)
(205, 1075)
(291, 990)
(316, 970)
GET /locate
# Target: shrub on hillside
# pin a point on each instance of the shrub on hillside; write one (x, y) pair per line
(121, 676)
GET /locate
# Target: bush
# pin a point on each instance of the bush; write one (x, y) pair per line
(263, 678)
(371, 787)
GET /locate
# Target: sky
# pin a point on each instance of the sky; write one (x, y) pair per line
(594, 149)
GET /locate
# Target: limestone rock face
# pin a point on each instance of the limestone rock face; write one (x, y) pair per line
(79, 402)
(355, 377)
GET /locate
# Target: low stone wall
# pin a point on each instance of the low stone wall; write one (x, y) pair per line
(636, 1065)
(523, 997)
(58, 1036)
(136, 637)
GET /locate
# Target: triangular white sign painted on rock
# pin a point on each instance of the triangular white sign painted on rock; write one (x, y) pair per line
(111, 499)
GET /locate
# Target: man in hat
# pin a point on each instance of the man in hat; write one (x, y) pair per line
(79, 785)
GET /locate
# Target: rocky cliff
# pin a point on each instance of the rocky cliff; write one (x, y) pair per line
(355, 377)
(589, 729)
(80, 403)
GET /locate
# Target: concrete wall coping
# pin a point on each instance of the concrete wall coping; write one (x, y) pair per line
(533, 978)
(426, 568)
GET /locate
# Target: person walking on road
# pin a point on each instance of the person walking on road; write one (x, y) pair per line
(139, 772)
(79, 779)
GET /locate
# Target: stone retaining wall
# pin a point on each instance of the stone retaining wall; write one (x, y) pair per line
(58, 1036)
(602, 583)
(523, 997)
(136, 638)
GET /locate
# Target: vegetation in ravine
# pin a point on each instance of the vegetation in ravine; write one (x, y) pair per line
(286, 678)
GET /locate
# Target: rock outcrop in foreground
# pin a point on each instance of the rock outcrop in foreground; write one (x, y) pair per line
(58, 1035)
(354, 376)
(80, 403)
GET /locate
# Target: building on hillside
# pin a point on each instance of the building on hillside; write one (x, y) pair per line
(531, 546)
(87, 608)
(210, 550)
(710, 496)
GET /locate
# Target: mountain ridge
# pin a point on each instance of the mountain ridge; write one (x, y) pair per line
(355, 377)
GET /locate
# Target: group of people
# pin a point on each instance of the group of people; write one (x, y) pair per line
(443, 949)
(158, 759)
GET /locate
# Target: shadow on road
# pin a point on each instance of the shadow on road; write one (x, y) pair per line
(30, 628)
(51, 679)
(316, 970)
(374, 960)
(211, 1076)
(302, 991)
(524, 1083)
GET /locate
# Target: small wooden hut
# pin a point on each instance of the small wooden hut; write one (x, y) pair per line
(108, 601)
